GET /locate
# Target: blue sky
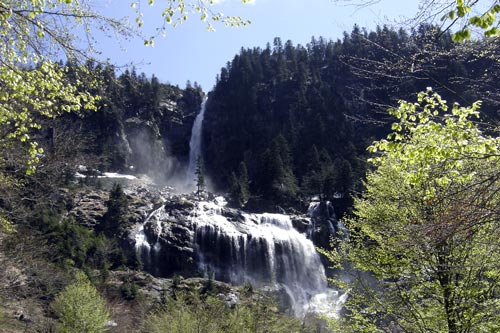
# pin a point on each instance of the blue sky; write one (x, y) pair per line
(189, 52)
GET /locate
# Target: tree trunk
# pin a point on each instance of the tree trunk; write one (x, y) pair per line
(445, 280)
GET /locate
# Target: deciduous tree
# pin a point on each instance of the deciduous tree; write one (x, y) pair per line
(35, 85)
(465, 14)
(80, 308)
(176, 12)
(424, 251)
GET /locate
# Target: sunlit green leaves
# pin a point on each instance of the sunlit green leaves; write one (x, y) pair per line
(487, 21)
(32, 84)
(176, 12)
(429, 133)
(80, 308)
(424, 244)
(31, 92)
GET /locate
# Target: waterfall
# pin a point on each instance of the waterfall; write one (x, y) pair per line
(263, 249)
(149, 254)
(195, 145)
(317, 210)
(229, 245)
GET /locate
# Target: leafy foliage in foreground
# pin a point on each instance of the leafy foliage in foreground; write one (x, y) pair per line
(487, 20)
(176, 12)
(424, 251)
(194, 313)
(80, 308)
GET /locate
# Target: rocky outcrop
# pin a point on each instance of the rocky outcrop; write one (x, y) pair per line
(173, 251)
(165, 239)
(155, 290)
(199, 236)
(167, 235)
(301, 223)
(89, 207)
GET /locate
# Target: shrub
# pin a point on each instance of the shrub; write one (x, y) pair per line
(80, 308)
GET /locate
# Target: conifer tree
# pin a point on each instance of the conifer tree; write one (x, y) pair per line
(243, 181)
(312, 180)
(235, 190)
(239, 185)
(200, 177)
(117, 210)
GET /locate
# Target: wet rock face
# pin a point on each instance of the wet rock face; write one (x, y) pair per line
(165, 242)
(174, 252)
(180, 235)
(172, 235)
(301, 223)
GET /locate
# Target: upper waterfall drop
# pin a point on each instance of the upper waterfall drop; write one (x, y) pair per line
(195, 144)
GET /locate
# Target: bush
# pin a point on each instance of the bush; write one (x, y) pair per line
(76, 245)
(129, 290)
(193, 313)
(80, 308)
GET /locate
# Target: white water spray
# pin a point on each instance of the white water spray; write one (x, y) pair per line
(145, 249)
(195, 145)
(263, 249)
(236, 247)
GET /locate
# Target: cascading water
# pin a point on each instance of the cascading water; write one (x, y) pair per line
(142, 244)
(195, 145)
(325, 209)
(232, 246)
(236, 247)
(262, 249)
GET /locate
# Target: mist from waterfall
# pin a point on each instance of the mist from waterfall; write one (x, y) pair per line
(195, 146)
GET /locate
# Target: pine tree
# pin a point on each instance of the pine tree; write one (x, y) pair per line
(117, 210)
(312, 181)
(239, 186)
(243, 181)
(235, 190)
(200, 178)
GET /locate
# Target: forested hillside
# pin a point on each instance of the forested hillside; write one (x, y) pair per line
(284, 123)
(142, 125)
(299, 118)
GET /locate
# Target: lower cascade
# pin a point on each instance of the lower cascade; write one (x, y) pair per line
(228, 245)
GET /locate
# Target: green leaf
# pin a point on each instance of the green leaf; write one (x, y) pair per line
(493, 32)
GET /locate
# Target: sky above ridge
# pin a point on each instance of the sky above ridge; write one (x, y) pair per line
(189, 52)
